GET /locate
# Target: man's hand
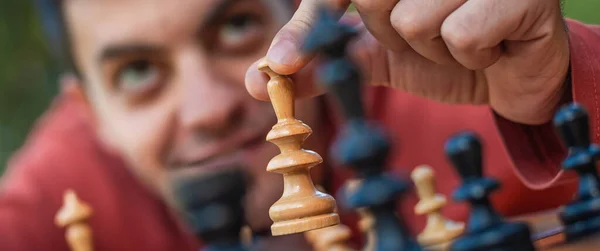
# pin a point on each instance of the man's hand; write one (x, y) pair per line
(510, 54)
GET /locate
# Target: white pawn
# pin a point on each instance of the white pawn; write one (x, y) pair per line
(74, 216)
(332, 238)
(439, 231)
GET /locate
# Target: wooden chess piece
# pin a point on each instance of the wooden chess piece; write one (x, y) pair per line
(362, 145)
(334, 238)
(302, 207)
(486, 230)
(580, 217)
(246, 236)
(366, 224)
(439, 231)
(74, 216)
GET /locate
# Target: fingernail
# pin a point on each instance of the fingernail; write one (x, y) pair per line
(284, 52)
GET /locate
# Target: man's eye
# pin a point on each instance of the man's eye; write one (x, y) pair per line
(140, 74)
(239, 32)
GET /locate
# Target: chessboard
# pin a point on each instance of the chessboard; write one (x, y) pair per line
(548, 233)
(556, 242)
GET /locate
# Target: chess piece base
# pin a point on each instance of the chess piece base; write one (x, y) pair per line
(79, 237)
(438, 247)
(440, 235)
(304, 224)
(503, 237)
(581, 218)
(582, 229)
(225, 247)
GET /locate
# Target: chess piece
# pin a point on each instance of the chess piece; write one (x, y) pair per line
(366, 226)
(74, 216)
(302, 207)
(362, 145)
(486, 229)
(581, 217)
(439, 231)
(334, 238)
(247, 236)
(213, 207)
(366, 222)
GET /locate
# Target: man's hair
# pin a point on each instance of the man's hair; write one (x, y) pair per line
(53, 21)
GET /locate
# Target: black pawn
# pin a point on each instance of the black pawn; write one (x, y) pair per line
(339, 74)
(581, 217)
(486, 229)
(379, 195)
(361, 145)
(213, 208)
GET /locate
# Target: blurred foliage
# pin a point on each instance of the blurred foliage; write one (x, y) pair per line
(586, 11)
(28, 73)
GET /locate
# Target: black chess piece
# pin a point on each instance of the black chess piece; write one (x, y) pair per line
(581, 217)
(362, 145)
(339, 74)
(213, 208)
(486, 229)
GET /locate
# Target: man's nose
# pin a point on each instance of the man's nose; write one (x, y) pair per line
(210, 104)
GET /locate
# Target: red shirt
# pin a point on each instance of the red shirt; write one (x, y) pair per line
(62, 152)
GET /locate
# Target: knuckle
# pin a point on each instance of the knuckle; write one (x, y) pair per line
(301, 22)
(456, 34)
(293, 30)
(300, 26)
(409, 25)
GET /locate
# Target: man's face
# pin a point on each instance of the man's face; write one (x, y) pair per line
(165, 82)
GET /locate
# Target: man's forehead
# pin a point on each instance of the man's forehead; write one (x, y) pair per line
(210, 6)
(98, 23)
(109, 10)
(115, 18)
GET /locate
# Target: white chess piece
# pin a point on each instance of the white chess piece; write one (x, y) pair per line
(439, 231)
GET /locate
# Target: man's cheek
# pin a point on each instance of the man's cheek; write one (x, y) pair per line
(143, 139)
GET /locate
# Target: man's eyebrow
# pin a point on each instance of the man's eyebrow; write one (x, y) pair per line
(115, 51)
(215, 12)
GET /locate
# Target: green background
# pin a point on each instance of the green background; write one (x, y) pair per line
(28, 74)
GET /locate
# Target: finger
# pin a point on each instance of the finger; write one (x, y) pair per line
(362, 49)
(527, 81)
(256, 82)
(365, 49)
(376, 17)
(475, 31)
(419, 23)
(304, 84)
(284, 55)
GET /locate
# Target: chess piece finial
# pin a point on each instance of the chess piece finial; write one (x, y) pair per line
(74, 216)
(213, 207)
(302, 207)
(438, 229)
(465, 152)
(581, 217)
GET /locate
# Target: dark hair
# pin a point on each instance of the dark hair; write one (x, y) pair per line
(53, 22)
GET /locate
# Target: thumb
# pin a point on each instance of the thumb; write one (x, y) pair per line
(284, 55)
